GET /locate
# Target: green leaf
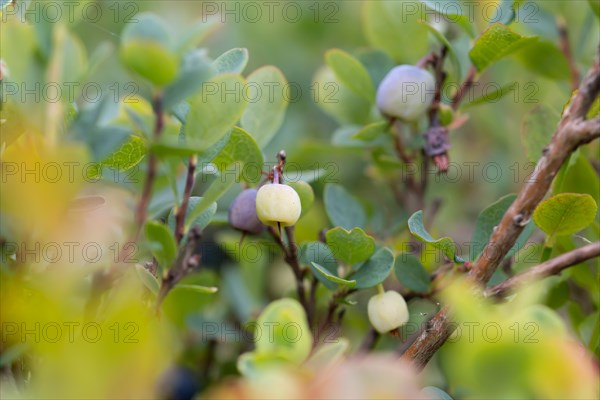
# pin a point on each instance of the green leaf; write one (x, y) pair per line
(146, 48)
(216, 189)
(213, 113)
(375, 270)
(372, 131)
(233, 61)
(242, 151)
(268, 95)
(445, 244)
(497, 42)
(128, 155)
(350, 247)
(276, 318)
(493, 96)
(161, 243)
(545, 59)
(538, 127)
(147, 279)
(388, 27)
(351, 73)
(327, 355)
(577, 176)
(197, 288)
(321, 254)
(337, 100)
(322, 273)
(201, 221)
(195, 70)
(489, 218)
(453, 14)
(411, 273)
(196, 34)
(565, 213)
(377, 63)
(342, 208)
(68, 56)
(306, 194)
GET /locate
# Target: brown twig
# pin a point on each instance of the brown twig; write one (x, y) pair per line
(290, 255)
(186, 262)
(572, 132)
(142, 207)
(565, 47)
(464, 88)
(551, 267)
(187, 193)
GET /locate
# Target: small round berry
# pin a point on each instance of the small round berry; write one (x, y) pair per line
(278, 204)
(406, 92)
(242, 213)
(387, 311)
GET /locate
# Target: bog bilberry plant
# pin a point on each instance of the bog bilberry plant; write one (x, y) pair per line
(123, 269)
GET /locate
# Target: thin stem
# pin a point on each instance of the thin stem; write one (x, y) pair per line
(464, 88)
(182, 211)
(140, 214)
(380, 288)
(565, 47)
(551, 267)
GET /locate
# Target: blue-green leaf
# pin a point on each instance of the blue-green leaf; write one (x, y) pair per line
(411, 273)
(445, 244)
(350, 247)
(490, 218)
(234, 61)
(321, 254)
(161, 243)
(375, 270)
(351, 73)
(342, 208)
(268, 95)
(323, 273)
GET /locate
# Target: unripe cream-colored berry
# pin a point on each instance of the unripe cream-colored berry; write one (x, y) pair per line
(387, 311)
(277, 203)
(406, 92)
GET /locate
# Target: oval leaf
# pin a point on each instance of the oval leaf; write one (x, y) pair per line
(445, 244)
(321, 271)
(147, 279)
(214, 112)
(342, 208)
(241, 148)
(267, 93)
(161, 243)
(351, 73)
(350, 247)
(497, 42)
(375, 270)
(234, 61)
(411, 273)
(321, 254)
(565, 214)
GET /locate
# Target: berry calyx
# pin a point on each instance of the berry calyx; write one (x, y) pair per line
(387, 311)
(406, 92)
(278, 205)
(242, 213)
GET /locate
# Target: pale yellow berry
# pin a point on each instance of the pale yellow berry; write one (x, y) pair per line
(277, 203)
(387, 311)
